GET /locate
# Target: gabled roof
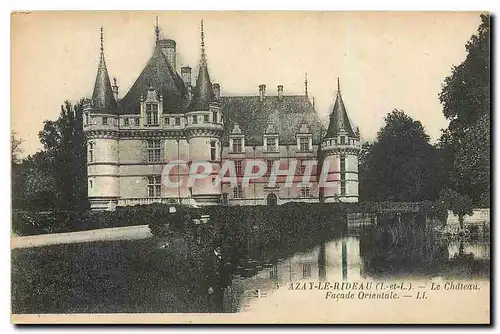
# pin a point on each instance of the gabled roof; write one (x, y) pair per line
(339, 119)
(103, 99)
(254, 116)
(159, 74)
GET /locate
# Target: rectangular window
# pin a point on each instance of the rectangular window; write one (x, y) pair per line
(195, 119)
(269, 164)
(342, 163)
(301, 167)
(91, 183)
(305, 192)
(237, 192)
(126, 122)
(167, 121)
(104, 121)
(154, 186)
(213, 151)
(206, 118)
(271, 144)
(154, 151)
(177, 121)
(303, 144)
(237, 166)
(152, 113)
(342, 187)
(342, 140)
(306, 270)
(136, 122)
(237, 145)
(91, 152)
(86, 118)
(214, 116)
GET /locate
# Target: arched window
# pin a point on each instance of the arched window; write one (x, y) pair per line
(272, 200)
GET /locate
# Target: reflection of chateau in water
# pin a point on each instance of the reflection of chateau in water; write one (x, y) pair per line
(358, 259)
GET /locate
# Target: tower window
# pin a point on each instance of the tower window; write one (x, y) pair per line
(154, 186)
(238, 191)
(304, 144)
(342, 175)
(152, 113)
(206, 118)
(195, 119)
(342, 140)
(237, 145)
(104, 120)
(213, 151)
(214, 116)
(271, 144)
(154, 151)
(177, 121)
(342, 163)
(91, 152)
(126, 122)
(237, 167)
(91, 184)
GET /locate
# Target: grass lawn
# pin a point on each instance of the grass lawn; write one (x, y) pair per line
(103, 277)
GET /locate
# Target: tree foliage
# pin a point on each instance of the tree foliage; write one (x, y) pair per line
(55, 177)
(465, 96)
(400, 165)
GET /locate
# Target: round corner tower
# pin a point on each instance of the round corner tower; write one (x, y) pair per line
(340, 149)
(100, 125)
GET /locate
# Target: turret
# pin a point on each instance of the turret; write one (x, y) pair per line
(101, 132)
(204, 130)
(339, 153)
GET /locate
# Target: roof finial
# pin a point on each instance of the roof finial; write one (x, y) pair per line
(203, 56)
(102, 40)
(305, 83)
(157, 30)
(338, 85)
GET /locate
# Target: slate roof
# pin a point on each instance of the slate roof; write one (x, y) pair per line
(253, 117)
(103, 98)
(339, 119)
(159, 74)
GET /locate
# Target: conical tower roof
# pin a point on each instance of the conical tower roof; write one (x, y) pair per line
(202, 92)
(102, 97)
(338, 118)
(160, 75)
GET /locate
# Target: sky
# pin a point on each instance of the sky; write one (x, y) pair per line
(384, 60)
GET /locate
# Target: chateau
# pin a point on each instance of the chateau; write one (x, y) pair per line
(166, 117)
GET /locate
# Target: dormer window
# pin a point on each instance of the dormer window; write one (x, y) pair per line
(342, 140)
(195, 119)
(104, 120)
(177, 121)
(126, 122)
(86, 118)
(272, 144)
(206, 118)
(151, 113)
(237, 145)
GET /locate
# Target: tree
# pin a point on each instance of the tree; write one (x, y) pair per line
(459, 204)
(465, 97)
(64, 144)
(15, 148)
(400, 165)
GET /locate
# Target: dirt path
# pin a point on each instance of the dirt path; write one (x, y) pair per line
(115, 233)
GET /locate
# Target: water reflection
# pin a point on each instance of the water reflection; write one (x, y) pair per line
(367, 255)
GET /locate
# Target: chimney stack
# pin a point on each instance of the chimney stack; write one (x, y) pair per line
(167, 47)
(186, 75)
(216, 90)
(262, 92)
(280, 92)
(115, 89)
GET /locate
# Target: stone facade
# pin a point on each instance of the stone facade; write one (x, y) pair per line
(165, 118)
